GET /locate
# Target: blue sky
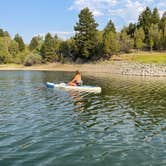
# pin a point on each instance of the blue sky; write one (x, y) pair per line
(33, 17)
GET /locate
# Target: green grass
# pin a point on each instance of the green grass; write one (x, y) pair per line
(142, 57)
(157, 58)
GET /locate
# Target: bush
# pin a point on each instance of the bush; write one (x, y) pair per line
(19, 58)
(5, 58)
(32, 59)
(62, 59)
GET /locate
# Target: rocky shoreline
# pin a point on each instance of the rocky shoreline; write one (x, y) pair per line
(130, 68)
(137, 69)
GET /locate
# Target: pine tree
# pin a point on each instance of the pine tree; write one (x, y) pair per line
(20, 42)
(162, 26)
(163, 22)
(1, 33)
(110, 42)
(34, 43)
(139, 37)
(4, 33)
(131, 29)
(153, 36)
(86, 32)
(155, 16)
(126, 43)
(4, 54)
(47, 50)
(57, 42)
(164, 36)
(144, 21)
(110, 27)
(13, 48)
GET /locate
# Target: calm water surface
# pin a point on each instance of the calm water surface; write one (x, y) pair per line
(125, 125)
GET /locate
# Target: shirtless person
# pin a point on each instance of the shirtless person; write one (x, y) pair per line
(76, 81)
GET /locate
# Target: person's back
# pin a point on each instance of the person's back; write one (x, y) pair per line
(77, 78)
(76, 81)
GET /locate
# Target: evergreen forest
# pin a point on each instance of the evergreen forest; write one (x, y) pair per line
(88, 44)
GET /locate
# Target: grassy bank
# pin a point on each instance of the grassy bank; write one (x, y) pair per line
(142, 57)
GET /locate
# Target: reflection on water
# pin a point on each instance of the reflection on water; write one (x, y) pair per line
(124, 125)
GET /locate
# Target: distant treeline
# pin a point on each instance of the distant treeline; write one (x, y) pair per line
(88, 43)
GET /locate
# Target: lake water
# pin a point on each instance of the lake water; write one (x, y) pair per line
(125, 125)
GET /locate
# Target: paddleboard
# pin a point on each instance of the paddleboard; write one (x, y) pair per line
(78, 88)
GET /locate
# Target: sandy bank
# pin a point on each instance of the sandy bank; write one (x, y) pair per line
(112, 67)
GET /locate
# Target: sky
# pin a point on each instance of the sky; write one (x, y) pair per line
(38, 17)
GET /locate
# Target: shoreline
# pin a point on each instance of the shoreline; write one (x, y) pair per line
(112, 67)
(140, 63)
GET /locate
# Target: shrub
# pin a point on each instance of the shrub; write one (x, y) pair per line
(32, 59)
(5, 58)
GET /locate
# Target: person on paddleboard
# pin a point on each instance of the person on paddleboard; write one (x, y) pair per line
(76, 81)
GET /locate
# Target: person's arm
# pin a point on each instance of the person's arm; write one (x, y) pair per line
(74, 79)
(72, 82)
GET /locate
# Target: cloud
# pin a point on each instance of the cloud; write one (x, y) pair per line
(128, 12)
(124, 10)
(97, 7)
(162, 6)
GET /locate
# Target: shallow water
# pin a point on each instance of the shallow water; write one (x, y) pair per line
(124, 125)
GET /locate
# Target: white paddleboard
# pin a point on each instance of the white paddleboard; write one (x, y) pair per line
(79, 88)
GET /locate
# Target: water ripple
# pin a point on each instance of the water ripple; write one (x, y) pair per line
(124, 125)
